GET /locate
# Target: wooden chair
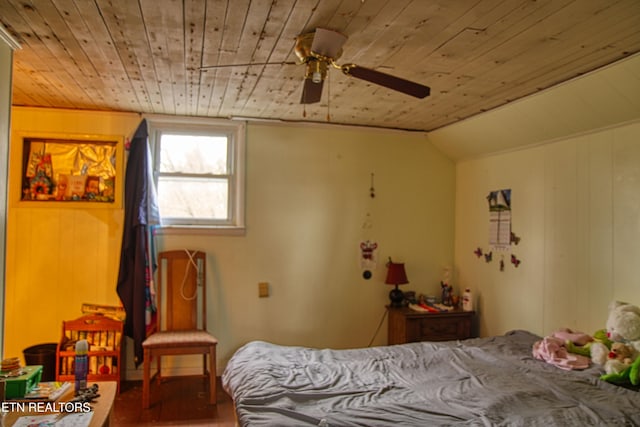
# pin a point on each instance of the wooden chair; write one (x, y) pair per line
(181, 320)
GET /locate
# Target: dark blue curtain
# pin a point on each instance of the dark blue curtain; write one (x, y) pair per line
(136, 261)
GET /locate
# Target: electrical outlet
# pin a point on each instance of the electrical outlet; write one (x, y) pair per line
(263, 289)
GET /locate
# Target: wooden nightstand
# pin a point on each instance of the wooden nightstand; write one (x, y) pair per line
(406, 325)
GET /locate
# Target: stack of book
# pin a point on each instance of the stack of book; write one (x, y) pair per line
(48, 391)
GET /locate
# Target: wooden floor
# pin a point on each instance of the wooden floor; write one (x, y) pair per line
(176, 402)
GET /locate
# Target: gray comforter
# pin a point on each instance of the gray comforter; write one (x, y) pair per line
(478, 382)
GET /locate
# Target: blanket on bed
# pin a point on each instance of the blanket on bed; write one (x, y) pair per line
(477, 382)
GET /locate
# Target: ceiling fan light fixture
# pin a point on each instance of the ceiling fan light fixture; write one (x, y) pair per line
(322, 47)
(316, 71)
(316, 76)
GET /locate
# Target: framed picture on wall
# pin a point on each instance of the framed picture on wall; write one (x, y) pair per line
(70, 169)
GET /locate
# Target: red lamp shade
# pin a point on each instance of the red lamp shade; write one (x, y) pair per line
(396, 276)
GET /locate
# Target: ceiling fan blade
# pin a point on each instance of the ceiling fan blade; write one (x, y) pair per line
(387, 80)
(328, 43)
(249, 64)
(311, 92)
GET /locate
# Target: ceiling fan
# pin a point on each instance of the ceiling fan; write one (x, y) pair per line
(321, 48)
(318, 50)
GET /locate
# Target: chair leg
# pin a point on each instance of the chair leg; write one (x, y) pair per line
(146, 378)
(213, 394)
(204, 366)
(158, 370)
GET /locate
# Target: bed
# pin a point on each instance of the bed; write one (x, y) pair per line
(482, 381)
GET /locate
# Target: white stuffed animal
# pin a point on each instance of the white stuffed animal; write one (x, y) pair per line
(623, 325)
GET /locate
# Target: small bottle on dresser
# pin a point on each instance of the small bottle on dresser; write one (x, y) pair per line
(467, 300)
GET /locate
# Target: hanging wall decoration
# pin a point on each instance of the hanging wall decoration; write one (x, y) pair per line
(500, 218)
(501, 238)
(368, 257)
(368, 248)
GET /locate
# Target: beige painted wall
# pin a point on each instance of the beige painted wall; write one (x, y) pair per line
(576, 206)
(307, 200)
(307, 196)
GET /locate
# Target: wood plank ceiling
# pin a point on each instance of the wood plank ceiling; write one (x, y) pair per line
(148, 56)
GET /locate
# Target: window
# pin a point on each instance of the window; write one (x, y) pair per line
(199, 172)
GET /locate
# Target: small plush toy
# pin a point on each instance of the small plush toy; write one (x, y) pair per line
(598, 348)
(623, 326)
(631, 374)
(621, 352)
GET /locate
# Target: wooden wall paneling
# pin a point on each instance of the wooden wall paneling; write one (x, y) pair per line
(583, 237)
(561, 214)
(626, 213)
(599, 260)
(71, 257)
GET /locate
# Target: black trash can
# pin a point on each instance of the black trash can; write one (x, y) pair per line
(45, 355)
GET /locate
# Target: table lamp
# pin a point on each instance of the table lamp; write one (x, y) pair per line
(396, 276)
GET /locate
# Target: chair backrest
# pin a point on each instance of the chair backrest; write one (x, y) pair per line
(181, 290)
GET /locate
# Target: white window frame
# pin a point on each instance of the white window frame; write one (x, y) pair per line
(236, 137)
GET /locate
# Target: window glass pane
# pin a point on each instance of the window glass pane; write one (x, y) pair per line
(193, 154)
(193, 198)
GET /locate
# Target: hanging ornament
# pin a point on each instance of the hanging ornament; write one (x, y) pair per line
(372, 190)
(368, 257)
(515, 261)
(514, 239)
